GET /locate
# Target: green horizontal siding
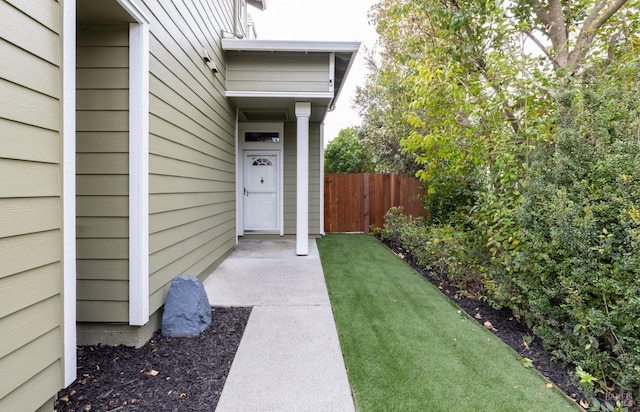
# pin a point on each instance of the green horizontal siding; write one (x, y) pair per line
(31, 346)
(102, 174)
(192, 143)
(283, 73)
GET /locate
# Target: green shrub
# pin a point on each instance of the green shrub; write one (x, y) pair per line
(579, 262)
(394, 223)
(492, 225)
(439, 248)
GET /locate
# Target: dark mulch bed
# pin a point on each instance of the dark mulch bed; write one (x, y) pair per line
(504, 325)
(167, 374)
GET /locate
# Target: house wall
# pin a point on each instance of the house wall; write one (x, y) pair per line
(294, 72)
(192, 143)
(102, 189)
(290, 165)
(30, 204)
(191, 162)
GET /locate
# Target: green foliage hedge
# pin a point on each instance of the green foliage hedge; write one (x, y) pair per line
(579, 270)
(557, 239)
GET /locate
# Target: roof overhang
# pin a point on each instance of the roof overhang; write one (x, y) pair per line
(103, 12)
(344, 55)
(259, 4)
(289, 45)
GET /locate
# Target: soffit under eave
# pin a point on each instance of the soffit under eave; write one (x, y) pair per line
(255, 108)
(259, 4)
(101, 12)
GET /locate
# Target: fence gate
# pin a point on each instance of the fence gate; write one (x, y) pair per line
(353, 202)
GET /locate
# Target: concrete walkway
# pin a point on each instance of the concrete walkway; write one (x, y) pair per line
(289, 358)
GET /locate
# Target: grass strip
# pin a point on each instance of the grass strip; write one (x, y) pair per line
(407, 347)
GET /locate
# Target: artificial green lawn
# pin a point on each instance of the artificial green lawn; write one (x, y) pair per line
(408, 348)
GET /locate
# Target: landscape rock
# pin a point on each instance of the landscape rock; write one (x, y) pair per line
(187, 311)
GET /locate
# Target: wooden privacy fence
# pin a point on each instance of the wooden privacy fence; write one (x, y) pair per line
(353, 202)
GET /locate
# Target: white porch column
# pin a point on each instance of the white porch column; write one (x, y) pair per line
(303, 111)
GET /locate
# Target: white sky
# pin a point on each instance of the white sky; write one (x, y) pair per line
(331, 20)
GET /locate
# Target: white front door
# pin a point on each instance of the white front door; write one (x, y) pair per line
(260, 192)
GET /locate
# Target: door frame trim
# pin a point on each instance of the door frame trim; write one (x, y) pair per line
(241, 147)
(279, 188)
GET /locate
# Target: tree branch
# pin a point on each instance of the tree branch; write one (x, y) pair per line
(613, 42)
(590, 28)
(538, 43)
(550, 91)
(541, 13)
(555, 28)
(558, 32)
(511, 117)
(611, 10)
(481, 64)
(597, 8)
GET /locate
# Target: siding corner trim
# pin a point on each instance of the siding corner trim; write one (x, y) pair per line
(69, 188)
(138, 165)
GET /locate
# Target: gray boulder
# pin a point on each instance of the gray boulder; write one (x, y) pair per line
(187, 311)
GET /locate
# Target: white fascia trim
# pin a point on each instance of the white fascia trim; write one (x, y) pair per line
(332, 71)
(293, 95)
(344, 80)
(138, 173)
(69, 188)
(134, 11)
(289, 45)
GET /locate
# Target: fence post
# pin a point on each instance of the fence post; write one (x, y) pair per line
(365, 201)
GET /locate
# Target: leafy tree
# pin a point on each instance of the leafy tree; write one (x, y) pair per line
(382, 105)
(347, 154)
(459, 86)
